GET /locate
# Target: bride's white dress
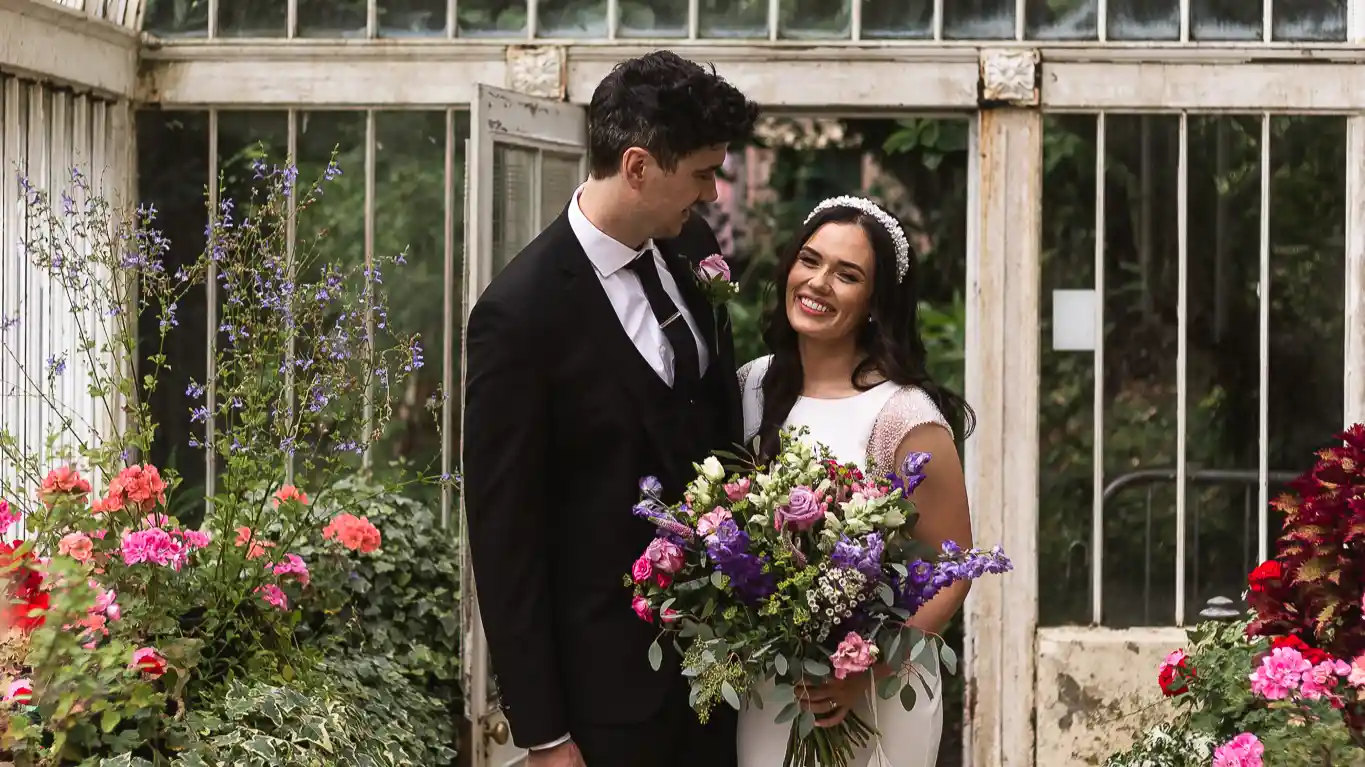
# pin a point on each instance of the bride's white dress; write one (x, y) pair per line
(865, 429)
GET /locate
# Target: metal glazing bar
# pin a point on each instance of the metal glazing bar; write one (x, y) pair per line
(774, 18)
(291, 229)
(213, 20)
(693, 18)
(1185, 21)
(855, 19)
(449, 323)
(1355, 21)
(1020, 17)
(39, 141)
(1102, 20)
(1268, 20)
(367, 459)
(371, 19)
(291, 16)
(938, 19)
(532, 19)
(613, 18)
(1097, 458)
(452, 18)
(1182, 356)
(211, 334)
(1263, 355)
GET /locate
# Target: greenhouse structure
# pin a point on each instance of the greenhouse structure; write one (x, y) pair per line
(1161, 259)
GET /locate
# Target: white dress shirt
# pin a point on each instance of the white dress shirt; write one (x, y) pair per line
(609, 258)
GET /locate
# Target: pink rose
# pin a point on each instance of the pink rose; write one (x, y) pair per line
(802, 511)
(736, 491)
(642, 569)
(669, 615)
(711, 521)
(642, 609)
(662, 579)
(664, 555)
(714, 266)
(853, 656)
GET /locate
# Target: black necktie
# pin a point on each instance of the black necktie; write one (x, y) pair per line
(686, 366)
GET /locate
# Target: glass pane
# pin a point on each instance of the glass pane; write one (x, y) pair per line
(978, 19)
(172, 171)
(491, 18)
(412, 18)
(513, 216)
(1061, 20)
(1307, 272)
(732, 18)
(331, 231)
(652, 18)
(1321, 20)
(1144, 19)
(559, 177)
(1066, 420)
(331, 18)
(1140, 337)
(177, 18)
(815, 19)
(252, 18)
(898, 21)
(1223, 389)
(1225, 20)
(571, 18)
(409, 216)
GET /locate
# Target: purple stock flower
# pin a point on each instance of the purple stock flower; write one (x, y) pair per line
(911, 473)
(728, 547)
(652, 511)
(651, 487)
(924, 580)
(864, 557)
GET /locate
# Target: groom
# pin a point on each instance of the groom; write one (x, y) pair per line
(595, 360)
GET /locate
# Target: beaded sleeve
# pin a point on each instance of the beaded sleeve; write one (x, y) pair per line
(908, 407)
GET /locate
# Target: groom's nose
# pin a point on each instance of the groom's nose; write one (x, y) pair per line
(708, 191)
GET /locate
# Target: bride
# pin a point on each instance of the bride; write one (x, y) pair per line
(848, 364)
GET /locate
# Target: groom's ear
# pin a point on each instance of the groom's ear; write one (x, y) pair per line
(635, 162)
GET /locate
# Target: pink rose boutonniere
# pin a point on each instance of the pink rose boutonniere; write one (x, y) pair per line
(713, 273)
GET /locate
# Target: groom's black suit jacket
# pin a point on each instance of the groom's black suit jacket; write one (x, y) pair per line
(563, 416)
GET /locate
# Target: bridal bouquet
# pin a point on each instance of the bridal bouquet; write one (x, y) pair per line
(795, 571)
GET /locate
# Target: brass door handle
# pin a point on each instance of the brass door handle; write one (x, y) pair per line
(497, 731)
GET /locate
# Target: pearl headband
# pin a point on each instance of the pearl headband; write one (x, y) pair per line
(891, 225)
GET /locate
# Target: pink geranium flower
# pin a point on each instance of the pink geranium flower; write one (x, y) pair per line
(1280, 673)
(290, 493)
(853, 656)
(78, 546)
(155, 546)
(1321, 680)
(149, 661)
(20, 691)
(63, 481)
(138, 486)
(1245, 750)
(273, 595)
(293, 565)
(8, 514)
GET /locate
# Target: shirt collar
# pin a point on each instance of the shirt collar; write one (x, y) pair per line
(607, 255)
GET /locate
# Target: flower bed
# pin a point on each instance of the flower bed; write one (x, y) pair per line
(1286, 684)
(274, 631)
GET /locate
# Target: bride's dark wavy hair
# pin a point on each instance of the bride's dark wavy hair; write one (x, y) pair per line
(890, 340)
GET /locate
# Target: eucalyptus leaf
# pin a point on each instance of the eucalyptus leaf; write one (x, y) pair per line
(815, 667)
(908, 697)
(656, 655)
(888, 687)
(731, 697)
(949, 658)
(805, 724)
(780, 663)
(788, 713)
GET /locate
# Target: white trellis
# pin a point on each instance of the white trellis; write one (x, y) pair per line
(91, 54)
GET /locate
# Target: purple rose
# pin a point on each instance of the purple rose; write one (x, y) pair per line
(713, 267)
(802, 511)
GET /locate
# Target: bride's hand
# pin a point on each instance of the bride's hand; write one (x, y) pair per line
(831, 701)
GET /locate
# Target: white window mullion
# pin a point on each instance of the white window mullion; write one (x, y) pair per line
(1182, 360)
(938, 19)
(693, 18)
(1097, 498)
(367, 459)
(1354, 403)
(291, 229)
(451, 325)
(1263, 291)
(211, 326)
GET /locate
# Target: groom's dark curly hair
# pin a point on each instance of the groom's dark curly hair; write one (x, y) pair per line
(667, 105)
